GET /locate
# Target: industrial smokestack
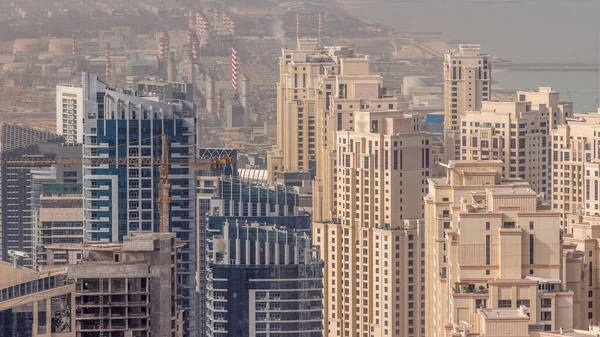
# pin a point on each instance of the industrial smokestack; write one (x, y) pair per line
(297, 26)
(195, 49)
(216, 16)
(163, 45)
(171, 70)
(191, 69)
(107, 64)
(245, 97)
(320, 38)
(191, 19)
(201, 24)
(74, 52)
(210, 94)
(244, 91)
(234, 64)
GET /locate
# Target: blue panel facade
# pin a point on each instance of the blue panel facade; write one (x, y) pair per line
(123, 198)
(262, 280)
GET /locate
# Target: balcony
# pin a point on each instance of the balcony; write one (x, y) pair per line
(470, 289)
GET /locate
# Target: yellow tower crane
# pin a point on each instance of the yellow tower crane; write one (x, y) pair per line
(163, 163)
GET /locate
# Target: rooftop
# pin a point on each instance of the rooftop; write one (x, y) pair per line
(503, 314)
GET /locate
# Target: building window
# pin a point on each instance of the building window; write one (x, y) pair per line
(504, 303)
(531, 225)
(546, 316)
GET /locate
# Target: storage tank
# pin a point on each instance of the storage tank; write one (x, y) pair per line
(27, 46)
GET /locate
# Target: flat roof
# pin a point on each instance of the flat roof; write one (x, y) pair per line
(504, 314)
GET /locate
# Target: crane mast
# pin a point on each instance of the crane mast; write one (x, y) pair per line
(164, 197)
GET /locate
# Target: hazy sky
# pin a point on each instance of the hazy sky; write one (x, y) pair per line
(526, 30)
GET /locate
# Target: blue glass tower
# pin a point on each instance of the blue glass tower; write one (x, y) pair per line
(122, 198)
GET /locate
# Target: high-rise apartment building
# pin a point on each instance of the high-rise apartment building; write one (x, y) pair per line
(467, 83)
(69, 113)
(16, 181)
(59, 220)
(340, 98)
(262, 280)
(372, 246)
(581, 254)
(492, 251)
(122, 199)
(514, 133)
(231, 198)
(547, 101)
(574, 144)
(299, 70)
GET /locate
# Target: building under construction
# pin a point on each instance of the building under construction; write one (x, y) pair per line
(125, 290)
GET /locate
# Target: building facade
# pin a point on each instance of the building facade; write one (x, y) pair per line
(492, 248)
(59, 220)
(134, 292)
(372, 248)
(69, 113)
(511, 132)
(16, 181)
(299, 71)
(467, 83)
(547, 101)
(262, 281)
(223, 198)
(574, 145)
(123, 199)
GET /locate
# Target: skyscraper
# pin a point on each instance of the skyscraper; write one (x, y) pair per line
(467, 83)
(262, 280)
(122, 199)
(372, 246)
(69, 113)
(492, 252)
(299, 71)
(16, 183)
(230, 198)
(574, 145)
(513, 132)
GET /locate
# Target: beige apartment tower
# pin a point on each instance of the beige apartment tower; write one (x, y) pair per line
(493, 256)
(373, 247)
(511, 132)
(467, 83)
(574, 145)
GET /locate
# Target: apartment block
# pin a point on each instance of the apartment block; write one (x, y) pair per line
(493, 256)
(262, 280)
(547, 101)
(59, 220)
(126, 289)
(467, 83)
(69, 113)
(574, 145)
(123, 199)
(18, 195)
(372, 247)
(231, 198)
(582, 255)
(514, 133)
(340, 98)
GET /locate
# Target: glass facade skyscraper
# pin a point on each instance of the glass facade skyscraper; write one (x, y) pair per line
(262, 280)
(230, 198)
(122, 198)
